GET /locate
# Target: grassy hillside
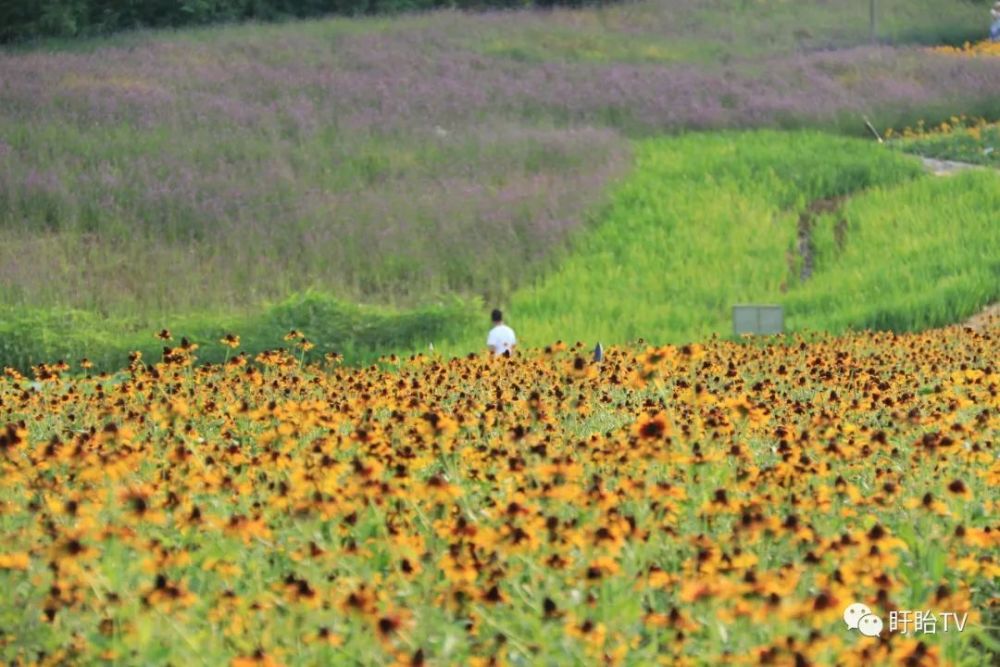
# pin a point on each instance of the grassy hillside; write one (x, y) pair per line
(708, 221)
(194, 179)
(704, 221)
(359, 334)
(394, 160)
(924, 254)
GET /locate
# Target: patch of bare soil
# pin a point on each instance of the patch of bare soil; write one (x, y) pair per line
(988, 318)
(947, 167)
(804, 247)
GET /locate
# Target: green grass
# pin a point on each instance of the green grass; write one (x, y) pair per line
(705, 221)
(629, 31)
(545, 44)
(360, 334)
(973, 145)
(131, 182)
(729, 30)
(924, 254)
(708, 221)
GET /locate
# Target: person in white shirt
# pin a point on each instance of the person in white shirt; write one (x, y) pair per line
(501, 339)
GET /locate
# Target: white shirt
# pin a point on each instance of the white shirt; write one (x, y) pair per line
(501, 339)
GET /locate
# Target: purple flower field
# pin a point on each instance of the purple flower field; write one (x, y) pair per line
(393, 160)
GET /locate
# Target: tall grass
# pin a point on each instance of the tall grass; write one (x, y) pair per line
(121, 220)
(727, 30)
(392, 161)
(709, 221)
(923, 254)
(358, 334)
(704, 222)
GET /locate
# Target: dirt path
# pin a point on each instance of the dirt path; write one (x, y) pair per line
(988, 318)
(947, 167)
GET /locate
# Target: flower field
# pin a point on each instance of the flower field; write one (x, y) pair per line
(625, 172)
(704, 504)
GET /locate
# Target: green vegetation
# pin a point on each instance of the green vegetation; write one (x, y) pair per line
(708, 221)
(729, 31)
(923, 254)
(976, 145)
(192, 179)
(704, 222)
(26, 19)
(757, 27)
(359, 334)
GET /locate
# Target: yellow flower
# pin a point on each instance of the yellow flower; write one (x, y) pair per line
(14, 561)
(258, 659)
(652, 427)
(232, 341)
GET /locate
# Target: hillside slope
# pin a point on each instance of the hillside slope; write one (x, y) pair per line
(391, 160)
(709, 221)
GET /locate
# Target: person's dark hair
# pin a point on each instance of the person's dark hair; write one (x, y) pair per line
(497, 315)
